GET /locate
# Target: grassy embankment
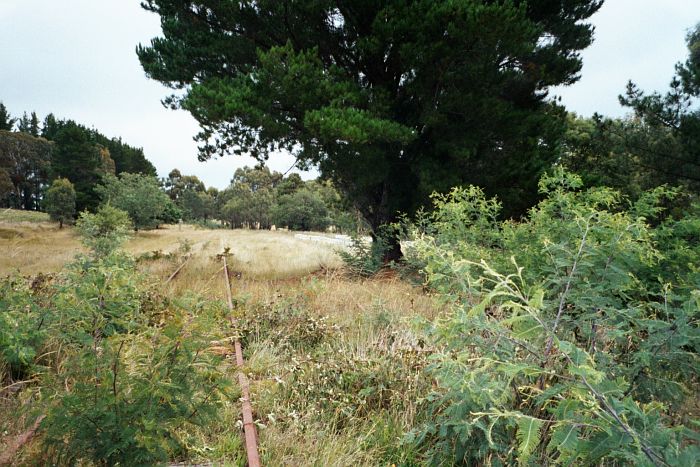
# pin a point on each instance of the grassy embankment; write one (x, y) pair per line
(334, 363)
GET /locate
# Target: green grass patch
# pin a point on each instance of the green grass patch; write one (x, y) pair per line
(18, 215)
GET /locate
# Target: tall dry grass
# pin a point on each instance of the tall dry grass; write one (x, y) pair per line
(275, 275)
(33, 247)
(372, 321)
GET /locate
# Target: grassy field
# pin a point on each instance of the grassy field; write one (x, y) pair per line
(40, 246)
(334, 362)
(18, 215)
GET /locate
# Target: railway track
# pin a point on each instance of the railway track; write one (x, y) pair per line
(249, 430)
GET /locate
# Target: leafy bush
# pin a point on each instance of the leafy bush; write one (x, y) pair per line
(139, 195)
(566, 343)
(21, 326)
(129, 372)
(104, 231)
(99, 297)
(132, 392)
(365, 259)
(678, 240)
(137, 368)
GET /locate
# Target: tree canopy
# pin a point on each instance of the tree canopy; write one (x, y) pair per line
(138, 195)
(25, 160)
(79, 160)
(60, 201)
(34, 154)
(659, 143)
(301, 210)
(125, 158)
(6, 120)
(247, 201)
(391, 99)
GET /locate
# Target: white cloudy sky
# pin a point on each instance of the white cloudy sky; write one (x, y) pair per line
(76, 58)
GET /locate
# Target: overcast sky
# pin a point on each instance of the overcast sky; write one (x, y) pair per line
(76, 58)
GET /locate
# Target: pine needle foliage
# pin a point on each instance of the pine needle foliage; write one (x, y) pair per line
(569, 339)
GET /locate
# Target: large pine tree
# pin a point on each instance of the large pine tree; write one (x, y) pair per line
(6, 120)
(392, 99)
(77, 159)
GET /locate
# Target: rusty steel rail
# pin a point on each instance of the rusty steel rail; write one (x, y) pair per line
(251, 436)
(18, 442)
(177, 271)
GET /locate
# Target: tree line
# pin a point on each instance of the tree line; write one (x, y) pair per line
(64, 168)
(391, 101)
(32, 155)
(396, 100)
(256, 198)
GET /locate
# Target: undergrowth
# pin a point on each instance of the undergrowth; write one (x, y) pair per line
(571, 339)
(314, 377)
(567, 338)
(117, 369)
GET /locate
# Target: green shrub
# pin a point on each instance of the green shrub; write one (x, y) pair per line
(678, 241)
(22, 330)
(104, 231)
(137, 371)
(132, 393)
(129, 371)
(566, 342)
(365, 259)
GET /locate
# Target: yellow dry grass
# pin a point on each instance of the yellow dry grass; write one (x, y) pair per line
(265, 268)
(33, 247)
(30, 248)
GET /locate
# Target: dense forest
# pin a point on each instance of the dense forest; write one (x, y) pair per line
(530, 293)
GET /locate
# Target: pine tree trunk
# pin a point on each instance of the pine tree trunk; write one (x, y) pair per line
(383, 216)
(393, 253)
